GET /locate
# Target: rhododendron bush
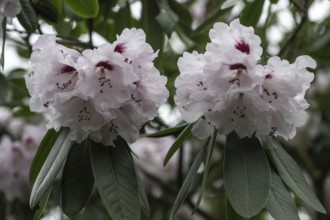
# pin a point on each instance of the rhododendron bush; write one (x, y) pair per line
(164, 110)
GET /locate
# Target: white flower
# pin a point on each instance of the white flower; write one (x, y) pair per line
(105, 77)
(283, 88)
(226, 88)
(105, 92)
(131, 44)
(54, 73)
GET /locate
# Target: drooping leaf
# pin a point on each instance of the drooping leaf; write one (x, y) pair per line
(189, 179)
(42, 205)
(246, 175)
(207, 163)
(116, 180)
(51, 167)
(42, 153)
(166, 132)
(83, 8)
(291, 174)
(280, 204)
(27, 17)
(77, 179)
(251, 13)
(178, 143)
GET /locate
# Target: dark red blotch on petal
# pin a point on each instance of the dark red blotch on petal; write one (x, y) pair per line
(105, 65)
(120, 48)
(237, 66)
(269, 76)
(67, 69)
(243, 46)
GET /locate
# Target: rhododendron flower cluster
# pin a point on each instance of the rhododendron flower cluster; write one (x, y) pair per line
(8, 9)
(105, 92)
(227, 88)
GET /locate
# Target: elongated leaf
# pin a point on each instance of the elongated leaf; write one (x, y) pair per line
(251, 14)
(42, 205)
(144, 203)
(246, 175)
(27, 17)
(166, 132)
(4, 35)
(142, 193)
(207, 162)
(189, 179)
(51, 167)
(42, 153)
(84, 8)
(77, 179)
(280, 204)
(116, 181)
(291, 174)
(178, 143)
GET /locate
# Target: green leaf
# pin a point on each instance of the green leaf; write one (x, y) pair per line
(83, 8)
(166, 132)
(4, 35)
(116, 180)
(280, 204)
(246, 175)
(207, 162)
(51, 167)
(251, 13)
(5, 90)
(153, 30)
(142, 196)
(178, 143)
(27, 17)
(291, 174)
(42, 153)
(77, 179)
(42, 205)
(189, 179)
